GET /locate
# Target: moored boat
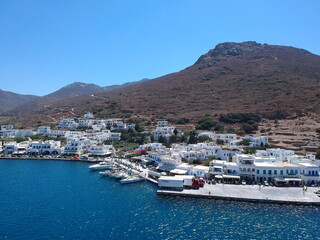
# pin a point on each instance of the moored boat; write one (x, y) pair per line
(101, 166)
(132, 179)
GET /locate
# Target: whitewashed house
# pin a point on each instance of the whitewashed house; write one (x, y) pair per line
(309, 173)
(44, 148)
(14, 148)
(165, 132)
(77, 146)
(6, 127)
(67, 123)
(59, 133)
(24, 133)
(88, 115)
(8, 133)
(280, 154)
(162, 123)
(257, 141)
(101, 150)
(44, 130)
(227, 138)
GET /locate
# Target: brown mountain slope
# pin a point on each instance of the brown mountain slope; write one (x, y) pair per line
(10, 100)
(233, 77)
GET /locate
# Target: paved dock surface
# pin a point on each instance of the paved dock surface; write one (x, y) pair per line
(251, 193)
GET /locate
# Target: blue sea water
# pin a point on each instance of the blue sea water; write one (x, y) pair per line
(64, 200)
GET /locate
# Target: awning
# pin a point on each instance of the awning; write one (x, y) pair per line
(231, 176)
(293, 179)
(280, 180)
(179, 171)
(218, 176)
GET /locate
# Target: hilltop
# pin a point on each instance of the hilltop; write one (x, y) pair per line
(274, 81)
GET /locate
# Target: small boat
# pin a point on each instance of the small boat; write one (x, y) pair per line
(132, 179)
(113, 173)
(105, 173)
(120, 175)
(101, 166)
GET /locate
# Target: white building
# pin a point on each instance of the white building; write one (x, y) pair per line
(6, 127)
(77, 146)
(44, 148)
(14, 148)
(101, 150)
(8, 133)
(68, 123)
(165, 132)
(162, 123)
(280, 154)
(227, 138)
(59, 133)
(44, 130)
(309, 173)
(24, 133)
(88, 115)
(257, 141)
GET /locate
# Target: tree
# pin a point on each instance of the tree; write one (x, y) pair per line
(244, 142)
(183, 121)
(162, 139)
(175, 131)
(220, 142)
(207, 123)
(204, 138)
(193, 137)
(250, 127)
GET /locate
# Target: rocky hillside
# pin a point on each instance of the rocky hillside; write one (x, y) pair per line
(10, 100)
(275, 81)
(75, 89)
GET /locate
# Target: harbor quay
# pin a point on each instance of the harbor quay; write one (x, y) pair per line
(250, 193)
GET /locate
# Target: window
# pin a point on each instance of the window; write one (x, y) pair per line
(264, 171)
(258, 171)
(281, 172)
(269, 172)
(275, 172)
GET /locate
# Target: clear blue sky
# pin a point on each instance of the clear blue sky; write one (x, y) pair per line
(45, 45)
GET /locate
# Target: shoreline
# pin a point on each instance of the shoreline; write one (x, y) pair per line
(225, 192)
(34, 158)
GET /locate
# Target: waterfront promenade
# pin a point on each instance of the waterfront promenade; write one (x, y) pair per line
(250, 193)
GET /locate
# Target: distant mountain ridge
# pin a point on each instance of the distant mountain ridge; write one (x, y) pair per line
(29, 102)
(233, 77)
(10, 100)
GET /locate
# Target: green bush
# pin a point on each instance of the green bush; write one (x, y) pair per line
(239, 117)
(207, 123)
(244, 142)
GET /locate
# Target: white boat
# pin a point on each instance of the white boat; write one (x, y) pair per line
(132, 179)
(120, 175)
(105, 173)
(101, 166)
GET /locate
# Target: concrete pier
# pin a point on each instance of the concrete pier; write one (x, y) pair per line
(250, 193)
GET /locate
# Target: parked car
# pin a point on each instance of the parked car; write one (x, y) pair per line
(266, 183)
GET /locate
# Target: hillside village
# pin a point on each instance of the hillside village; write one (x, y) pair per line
(223, 156)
